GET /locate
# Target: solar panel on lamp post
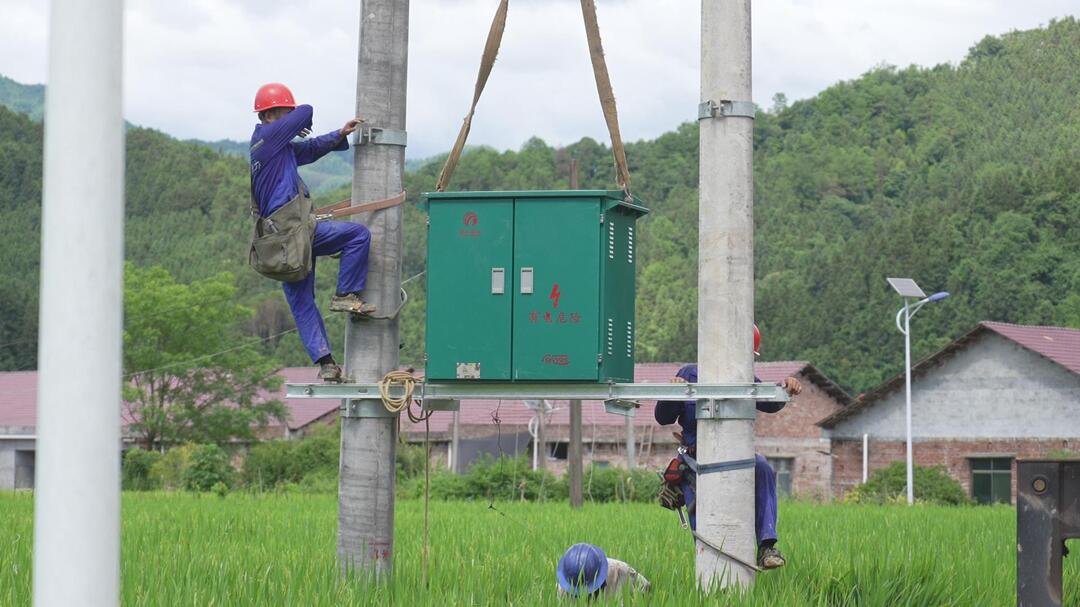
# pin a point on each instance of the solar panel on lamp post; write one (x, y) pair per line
(907, 289)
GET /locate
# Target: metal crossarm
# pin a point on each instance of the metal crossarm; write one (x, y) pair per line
(718, 401)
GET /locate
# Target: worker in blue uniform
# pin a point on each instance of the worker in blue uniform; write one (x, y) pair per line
(685, 414)
(275, 181)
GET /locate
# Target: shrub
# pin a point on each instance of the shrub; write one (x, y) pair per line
(209, 466)
(409, 460)
(137, 475)
(610, 484)
(273, 463)
(267, 464)
(168, 472)
(220, 488)
(889, 485)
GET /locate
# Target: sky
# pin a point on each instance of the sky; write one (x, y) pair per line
(191, 68)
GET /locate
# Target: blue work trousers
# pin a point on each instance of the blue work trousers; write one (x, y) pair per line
(352, 240)
(764, 500)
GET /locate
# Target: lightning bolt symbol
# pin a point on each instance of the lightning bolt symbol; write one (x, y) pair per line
(555, 295)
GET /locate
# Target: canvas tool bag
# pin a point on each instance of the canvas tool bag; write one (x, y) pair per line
(281, 243)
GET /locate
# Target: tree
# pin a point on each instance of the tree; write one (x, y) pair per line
(190, 374)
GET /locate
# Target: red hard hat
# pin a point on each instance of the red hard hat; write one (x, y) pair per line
(273, 95)
(757, 341)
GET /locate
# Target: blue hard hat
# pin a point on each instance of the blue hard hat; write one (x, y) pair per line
(582, 569)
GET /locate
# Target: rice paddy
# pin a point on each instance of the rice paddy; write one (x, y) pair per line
(190, 549)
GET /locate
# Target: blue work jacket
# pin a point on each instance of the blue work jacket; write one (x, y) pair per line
(275, 157)
(685, 411)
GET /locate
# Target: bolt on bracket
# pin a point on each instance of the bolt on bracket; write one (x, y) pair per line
(726, 108)
(373, 135)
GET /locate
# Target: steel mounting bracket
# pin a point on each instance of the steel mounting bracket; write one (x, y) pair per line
(725, 108)
(373, 135)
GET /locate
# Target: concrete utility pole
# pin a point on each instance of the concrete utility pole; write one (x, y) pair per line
(77, 500)
(366, 493)
(631, 445)
(573, 455)
(455, 442)
(725, 500)
(540, 443)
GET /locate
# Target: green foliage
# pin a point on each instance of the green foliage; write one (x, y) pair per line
(169, 471)
(220, 489)
(504, 478)
(138, 470)
(611, 484)
(209, 466)
(889, 485)
(1061, 454)
(28, 99)
(270, 464)
(410, 460)
(190, 376)
(513, 479)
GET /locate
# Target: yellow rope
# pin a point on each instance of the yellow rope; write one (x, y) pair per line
(402, 378)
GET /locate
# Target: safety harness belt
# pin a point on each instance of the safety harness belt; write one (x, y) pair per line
(603, 88)
(700, 469)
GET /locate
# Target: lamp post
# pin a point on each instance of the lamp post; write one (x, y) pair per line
(907, 289)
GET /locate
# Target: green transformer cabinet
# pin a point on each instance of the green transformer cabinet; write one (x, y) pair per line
(531, 286)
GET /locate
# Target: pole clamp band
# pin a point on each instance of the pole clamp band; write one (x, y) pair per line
(725, 108)
(373, 135)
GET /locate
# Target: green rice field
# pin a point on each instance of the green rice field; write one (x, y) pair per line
(201, 550)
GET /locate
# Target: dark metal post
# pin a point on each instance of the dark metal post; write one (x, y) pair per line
(1047, 513)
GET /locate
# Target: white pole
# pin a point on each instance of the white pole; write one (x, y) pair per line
(907, 378)
(725, 500)
(631, 446)
(77, 499)
(865, 456)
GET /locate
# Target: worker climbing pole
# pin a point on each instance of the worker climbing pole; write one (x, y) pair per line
(725, 500)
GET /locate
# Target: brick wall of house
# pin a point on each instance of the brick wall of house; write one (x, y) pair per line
(799, 418)
(793, 433)
(955, 455)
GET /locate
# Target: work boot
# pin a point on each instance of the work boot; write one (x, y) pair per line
(351, 303)
(330, 372)
(770, 558)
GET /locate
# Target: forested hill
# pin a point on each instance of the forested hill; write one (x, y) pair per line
(965, 177)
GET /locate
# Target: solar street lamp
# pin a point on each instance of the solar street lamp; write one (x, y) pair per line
(907, 289)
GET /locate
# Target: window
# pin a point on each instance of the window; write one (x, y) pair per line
(560, 450)
(783, 467)
(991, 480)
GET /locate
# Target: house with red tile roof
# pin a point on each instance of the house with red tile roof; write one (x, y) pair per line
(998, 393)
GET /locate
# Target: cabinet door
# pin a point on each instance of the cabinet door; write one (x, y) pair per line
(470, 288)
(556, 299)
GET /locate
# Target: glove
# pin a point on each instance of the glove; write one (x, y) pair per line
(671, 496)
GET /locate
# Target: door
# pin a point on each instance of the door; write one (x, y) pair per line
(470, 288)
(556, 299)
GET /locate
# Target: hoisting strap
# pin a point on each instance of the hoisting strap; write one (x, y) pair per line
(603, 88)
(342, 209)
(699, 469)
(607, 96)
(491, 50)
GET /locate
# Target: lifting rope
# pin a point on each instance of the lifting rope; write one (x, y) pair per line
(603, 89)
